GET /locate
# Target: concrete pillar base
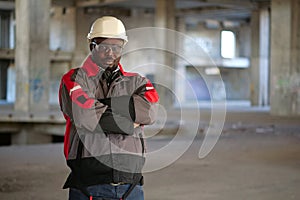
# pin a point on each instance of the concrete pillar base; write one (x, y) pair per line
(29, 136)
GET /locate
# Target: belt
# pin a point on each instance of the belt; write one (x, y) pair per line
(132, 186)
(117, 184)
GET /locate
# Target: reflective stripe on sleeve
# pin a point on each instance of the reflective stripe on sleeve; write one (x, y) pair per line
(74, 88)
(149, 88)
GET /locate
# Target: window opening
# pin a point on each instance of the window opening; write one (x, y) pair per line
(228, 44)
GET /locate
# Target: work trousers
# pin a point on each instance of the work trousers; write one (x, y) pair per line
(107, 192)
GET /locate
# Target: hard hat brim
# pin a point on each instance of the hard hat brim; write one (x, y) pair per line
(90, 36)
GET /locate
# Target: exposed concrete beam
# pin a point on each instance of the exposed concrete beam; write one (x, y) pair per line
(10, 127)
(50, 129)
(215, 13)
(7, 5)
(7, 53)
(54, 55)
(235, 4)
(60, 56)
(64, 3)
(93, 3)
(105, 10)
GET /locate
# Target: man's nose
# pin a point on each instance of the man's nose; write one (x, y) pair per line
(109, 51)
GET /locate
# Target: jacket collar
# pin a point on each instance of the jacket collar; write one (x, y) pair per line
(92, 69)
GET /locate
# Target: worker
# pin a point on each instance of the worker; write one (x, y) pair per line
(106, 110)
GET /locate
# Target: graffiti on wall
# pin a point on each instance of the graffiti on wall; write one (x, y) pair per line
(37, 85)
(37, 89)
(289, 86)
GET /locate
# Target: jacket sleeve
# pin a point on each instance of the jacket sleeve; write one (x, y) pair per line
(122, 105)
(115, 123)
(145, 101)
(78, 103)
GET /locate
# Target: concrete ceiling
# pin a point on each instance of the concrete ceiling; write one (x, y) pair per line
(192, 10)
(180, 4)
(7, 5)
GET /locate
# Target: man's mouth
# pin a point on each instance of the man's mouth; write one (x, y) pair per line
(109, 61)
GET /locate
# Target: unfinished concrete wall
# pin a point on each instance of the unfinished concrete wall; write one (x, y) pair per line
(62, 39)
(62, 28)
(139, 18)
(143, 60)
(237, 83)
(208, 39)
(244, 40)
(236, 80)
(57, 69)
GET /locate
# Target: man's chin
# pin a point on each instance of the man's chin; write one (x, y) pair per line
(104, 65)
(108, 66)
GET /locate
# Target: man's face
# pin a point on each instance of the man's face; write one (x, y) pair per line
(106, 53)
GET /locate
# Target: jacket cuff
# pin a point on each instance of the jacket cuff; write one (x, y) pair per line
(123, 105)
(114, 123)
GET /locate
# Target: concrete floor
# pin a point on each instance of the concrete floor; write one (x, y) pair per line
(256, 157)
(241, 166)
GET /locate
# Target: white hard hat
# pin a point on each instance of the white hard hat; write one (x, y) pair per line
(108, 27)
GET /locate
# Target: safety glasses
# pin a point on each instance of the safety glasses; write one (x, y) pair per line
(104, 48)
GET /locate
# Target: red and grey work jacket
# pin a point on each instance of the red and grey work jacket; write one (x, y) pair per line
(101, 145)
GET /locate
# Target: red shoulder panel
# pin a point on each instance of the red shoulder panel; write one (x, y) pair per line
(75, 91)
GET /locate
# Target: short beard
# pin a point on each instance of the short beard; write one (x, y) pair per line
(100, 64)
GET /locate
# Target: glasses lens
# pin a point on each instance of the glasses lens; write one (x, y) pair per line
(107, 47)
(116, 48)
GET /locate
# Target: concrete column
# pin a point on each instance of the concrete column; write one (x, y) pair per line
(165, 18)
(260, 48)
(180, 82)
(264, 43)
(11, 84)
(285, 61)
(254, 90)
(83, 23)
(32, 56)
(32, 63)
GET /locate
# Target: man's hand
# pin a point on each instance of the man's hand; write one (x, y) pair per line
(135, 125)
